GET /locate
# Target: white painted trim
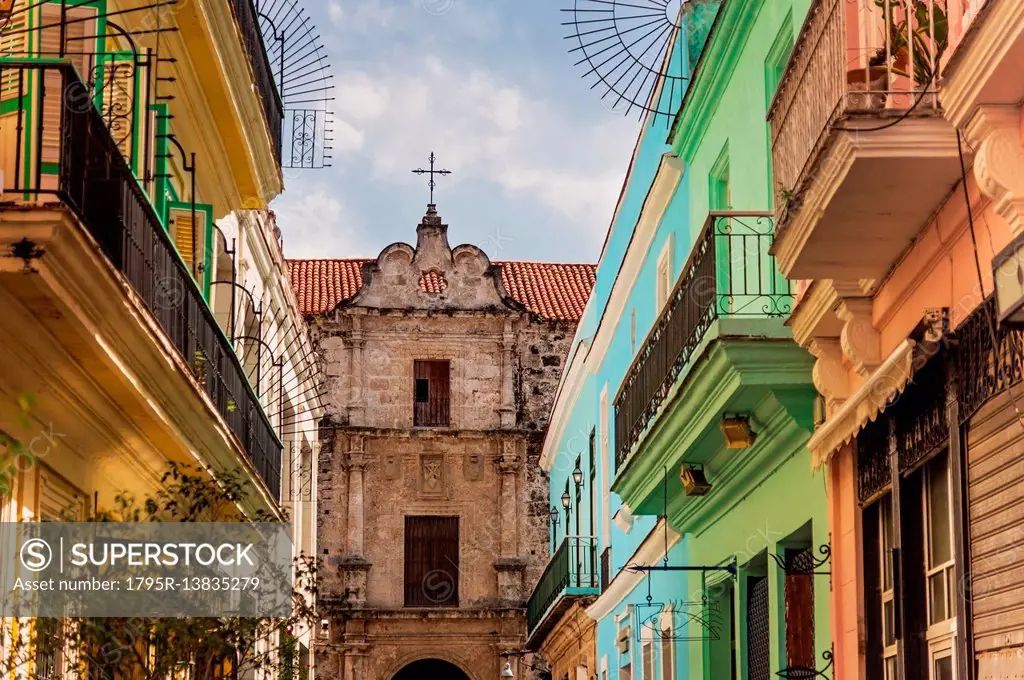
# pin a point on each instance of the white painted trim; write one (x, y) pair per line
(606, 468)
(649, 552)
(662, 190)
(569, 388)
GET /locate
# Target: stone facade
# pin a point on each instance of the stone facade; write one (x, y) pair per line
(432, 302)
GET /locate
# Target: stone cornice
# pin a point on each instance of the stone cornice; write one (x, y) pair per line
(727, 366)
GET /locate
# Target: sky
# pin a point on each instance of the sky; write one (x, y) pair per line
(537, 158)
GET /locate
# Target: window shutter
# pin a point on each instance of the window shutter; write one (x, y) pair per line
(192, 238)
(58, 500)
(431, 561)
(79, 24)
(117, 78)
(799, 594)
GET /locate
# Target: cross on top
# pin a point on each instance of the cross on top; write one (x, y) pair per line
(431, 173)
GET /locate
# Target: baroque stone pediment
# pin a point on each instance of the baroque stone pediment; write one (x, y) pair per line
(433, 276)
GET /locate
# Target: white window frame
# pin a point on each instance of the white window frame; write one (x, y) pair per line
(667, 649)
(888, 596)
(663, 285)
(940, 634)
(647, 659)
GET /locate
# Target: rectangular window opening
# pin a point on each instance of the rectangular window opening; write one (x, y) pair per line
(431, 397)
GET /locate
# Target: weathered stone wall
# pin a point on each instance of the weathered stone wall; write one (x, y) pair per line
(376, 468)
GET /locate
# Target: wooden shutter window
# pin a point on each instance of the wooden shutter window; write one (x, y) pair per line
(431, 398)
(431, 561)
(799, 594)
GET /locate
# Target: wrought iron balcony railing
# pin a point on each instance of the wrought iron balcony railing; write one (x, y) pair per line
(853, 58)
(729, 273)
(60, 149)
(574, 565)
(273, 108)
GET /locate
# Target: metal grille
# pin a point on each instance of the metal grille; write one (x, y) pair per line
(729, 273)
(921, 418)
(273, 110)
(873, 474)
(572, 566)
(96, 183)
(758, 629)
(984, 370)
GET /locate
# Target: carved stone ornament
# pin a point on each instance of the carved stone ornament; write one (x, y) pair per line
(859, 339)
(392, 463)
(432, 477)
(473, 466)
(433, 275)
(995, 133)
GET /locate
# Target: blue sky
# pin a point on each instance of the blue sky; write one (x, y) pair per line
(538, 160)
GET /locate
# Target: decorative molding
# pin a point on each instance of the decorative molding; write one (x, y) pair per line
(829, 374)
(865, 404)
(985, 54)
(995, 132)
(923, 138)
(860, 341)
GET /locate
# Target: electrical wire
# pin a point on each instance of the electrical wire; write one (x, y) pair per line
(991, 325)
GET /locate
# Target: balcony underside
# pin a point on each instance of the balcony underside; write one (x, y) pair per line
(869, 194)
(764, 374)
(106, 377)
(556, 612)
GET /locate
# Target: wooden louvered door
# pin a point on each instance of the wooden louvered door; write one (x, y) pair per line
(431, 561)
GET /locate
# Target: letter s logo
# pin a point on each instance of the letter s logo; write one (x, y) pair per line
(36, 555)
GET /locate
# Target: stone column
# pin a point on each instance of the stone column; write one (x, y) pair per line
(355, 566)
(509, 565)
(356, 464)
(356, 375)
(508, 404)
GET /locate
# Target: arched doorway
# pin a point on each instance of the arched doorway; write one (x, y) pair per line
(431, 669)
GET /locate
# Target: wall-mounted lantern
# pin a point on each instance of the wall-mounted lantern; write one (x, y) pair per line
(737, 431)
(1008, 274)
(695, 483)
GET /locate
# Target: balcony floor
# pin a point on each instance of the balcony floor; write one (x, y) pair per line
(104, 374)
(867, 198)
(741, 366)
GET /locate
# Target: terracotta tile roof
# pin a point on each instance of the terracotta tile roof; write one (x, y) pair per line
(551, 290)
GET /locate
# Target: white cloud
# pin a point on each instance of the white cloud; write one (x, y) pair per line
(484, 128)
(317, 222)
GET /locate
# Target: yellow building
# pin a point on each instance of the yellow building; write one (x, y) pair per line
(127, 128)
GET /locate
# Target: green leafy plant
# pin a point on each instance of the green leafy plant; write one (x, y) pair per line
(150, 648)
(928, 32)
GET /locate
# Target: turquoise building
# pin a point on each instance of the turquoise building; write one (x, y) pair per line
(696, 540)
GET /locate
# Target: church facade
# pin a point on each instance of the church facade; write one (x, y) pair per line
(440, 368)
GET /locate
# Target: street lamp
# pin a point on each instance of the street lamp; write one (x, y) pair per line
(506, 672)
(566, 501)
(577, 475)
(553, 516)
